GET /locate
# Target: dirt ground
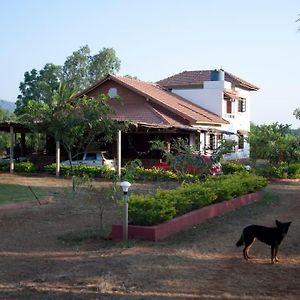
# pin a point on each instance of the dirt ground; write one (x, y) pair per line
(37, 261)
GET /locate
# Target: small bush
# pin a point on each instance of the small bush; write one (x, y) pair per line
(4, 166)
(229, 167)
(294, 170)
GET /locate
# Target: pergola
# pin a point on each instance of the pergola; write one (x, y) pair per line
(13, 128)
(17, 127)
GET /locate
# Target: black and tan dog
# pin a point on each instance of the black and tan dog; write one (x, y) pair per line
(271, 236)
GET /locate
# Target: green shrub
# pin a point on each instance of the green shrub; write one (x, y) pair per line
(198, 196)
(4, 166)
(154, 174)
(149, 210)
(273, 171)
(25, 167)
(91, 171)
(294, 170)
(167, 204)
(229, 167)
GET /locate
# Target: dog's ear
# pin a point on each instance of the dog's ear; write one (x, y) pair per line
(289, 223)
(277, 223)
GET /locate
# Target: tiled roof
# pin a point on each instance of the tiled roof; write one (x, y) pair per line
(231, 94)
(188, 78)
(143, 114)
(170, 102)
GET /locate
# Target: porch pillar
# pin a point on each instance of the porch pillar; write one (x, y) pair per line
(119, 153)
(57, 158)
(192, 139)
(22, 145)
(11, 152)
(204, 142)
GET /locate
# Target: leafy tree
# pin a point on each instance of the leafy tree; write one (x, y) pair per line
(5, 115)
(131, 77)
(274, 142)
(103, 63)
(38, 86)
(75, 122)
(75, 71)
(297, 113)
(81, 69)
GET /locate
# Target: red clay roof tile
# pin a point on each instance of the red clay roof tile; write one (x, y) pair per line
(188, 78)
(176, 104)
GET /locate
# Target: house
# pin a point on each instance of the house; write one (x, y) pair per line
(202, 106)
(222, 93)
(155, 113)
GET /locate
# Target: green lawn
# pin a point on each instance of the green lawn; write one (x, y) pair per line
(10, 194)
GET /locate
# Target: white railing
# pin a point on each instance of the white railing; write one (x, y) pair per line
(240, 154)
(230, 116)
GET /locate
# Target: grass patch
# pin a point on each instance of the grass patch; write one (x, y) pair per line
(11, 194)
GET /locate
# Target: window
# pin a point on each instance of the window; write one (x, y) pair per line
(229, 107)
(241, 142)
(112, 93)
(91, 156)
(242, 105)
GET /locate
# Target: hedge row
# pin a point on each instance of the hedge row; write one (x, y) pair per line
(25, 167)
(164, 205)
(281, 171)
(80, 170)
(139, 173)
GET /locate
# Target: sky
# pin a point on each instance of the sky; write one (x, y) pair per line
(255, 40)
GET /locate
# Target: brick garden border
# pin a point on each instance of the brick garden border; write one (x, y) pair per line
(284, 180)
(161, 231)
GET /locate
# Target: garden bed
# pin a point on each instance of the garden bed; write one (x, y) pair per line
(161, 231)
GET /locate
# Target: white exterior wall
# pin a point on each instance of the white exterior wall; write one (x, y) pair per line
(211, 97)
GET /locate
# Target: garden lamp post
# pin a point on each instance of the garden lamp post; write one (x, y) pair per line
(125, 186)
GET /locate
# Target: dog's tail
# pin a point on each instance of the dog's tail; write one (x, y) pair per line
(240, 242)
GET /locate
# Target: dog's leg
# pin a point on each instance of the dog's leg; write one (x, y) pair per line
(276, 252)
(273, 254)
(247, 248)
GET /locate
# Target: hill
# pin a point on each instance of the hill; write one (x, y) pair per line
(10, 106)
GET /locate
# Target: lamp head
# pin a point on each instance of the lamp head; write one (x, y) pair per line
(125, 186)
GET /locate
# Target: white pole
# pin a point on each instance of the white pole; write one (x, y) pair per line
(57, 158)
(125, 225)
(119, 153)
(11, 152)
